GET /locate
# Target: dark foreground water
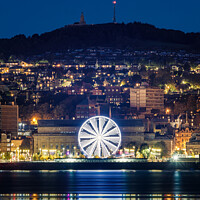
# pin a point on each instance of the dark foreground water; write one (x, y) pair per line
(121, 184)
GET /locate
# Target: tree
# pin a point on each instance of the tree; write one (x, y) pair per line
(197, 120)
(51, 157)
(7, 156)
(179, 107)
(163, 77)
(152, 79)
(44, 111)
(26, 111)
(186, 67)
(142, 68)
(132, 145)
(67, 107)
(135, 79)
(41, 157)
(88, 79)
(21, 157)
(35, 157)
(144, 150)
(191, 103)
(161, 145)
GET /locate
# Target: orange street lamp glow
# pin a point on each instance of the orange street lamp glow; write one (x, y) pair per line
(34, 120)
(168, 111)
(114, 2)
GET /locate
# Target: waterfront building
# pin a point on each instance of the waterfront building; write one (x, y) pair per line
(167, 140)
(5, 143)
(53, 143)
(147, 100)
(17, 148)
(182, 137)
(193, 146)
(72, 126)
(54, 135)
(61, 136)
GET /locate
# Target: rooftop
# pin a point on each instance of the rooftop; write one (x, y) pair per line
(78, 123)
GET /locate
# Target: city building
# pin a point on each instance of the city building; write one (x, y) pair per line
(92, 106)
(182, 137)
(65, 143)
(5, 143)
(61, 136)
(9, 119)
(193, 146)
(147, 100)
(55, 135)
(113, 94)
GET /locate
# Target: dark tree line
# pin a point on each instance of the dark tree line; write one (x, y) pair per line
(132, 35)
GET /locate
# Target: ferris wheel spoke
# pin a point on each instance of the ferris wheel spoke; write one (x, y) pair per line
(85, 143)
(94, 125)
(86, 135)
(89, 129)
(112, 131)
(105, 150)
(91, 149)
(114, 139)
(108, 126)
(110, 145)
(98, 149)
(101, 125)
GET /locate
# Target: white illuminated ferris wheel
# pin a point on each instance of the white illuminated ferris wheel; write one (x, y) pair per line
(99, 136)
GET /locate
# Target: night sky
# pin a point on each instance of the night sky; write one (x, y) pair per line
(38, 16)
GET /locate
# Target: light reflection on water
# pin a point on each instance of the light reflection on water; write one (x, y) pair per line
(99, 196)
(99, 184)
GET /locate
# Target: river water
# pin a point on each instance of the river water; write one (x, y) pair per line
(119, 184)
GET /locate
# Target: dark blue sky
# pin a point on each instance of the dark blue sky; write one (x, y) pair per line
(38, 16)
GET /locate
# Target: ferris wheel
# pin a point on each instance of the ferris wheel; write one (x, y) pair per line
(99, 136)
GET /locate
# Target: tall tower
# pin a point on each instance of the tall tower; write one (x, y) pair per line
(114, 16)
(82, 20)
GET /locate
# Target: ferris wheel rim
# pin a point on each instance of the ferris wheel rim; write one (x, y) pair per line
(108, 120)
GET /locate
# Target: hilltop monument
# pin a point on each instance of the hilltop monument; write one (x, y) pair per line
(82, 20)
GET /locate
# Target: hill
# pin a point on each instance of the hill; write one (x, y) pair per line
(133, 35)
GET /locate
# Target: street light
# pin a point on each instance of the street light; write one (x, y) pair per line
(34, 121)
(63, 151)
(175, 157)
(168, 111)
(18, 154)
